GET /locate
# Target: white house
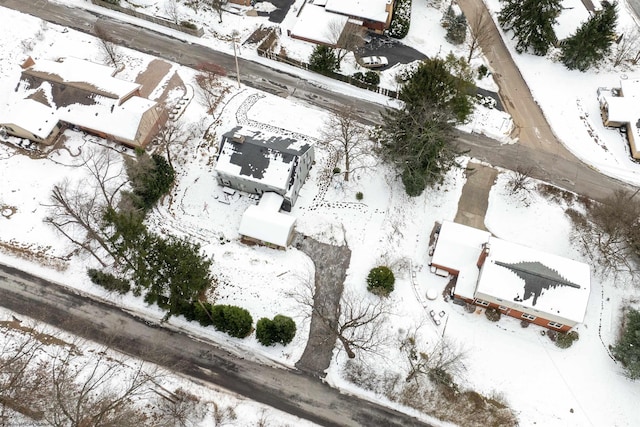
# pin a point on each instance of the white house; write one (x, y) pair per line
(619, 108)
(254, 162)
(265, 224)
(542, 288)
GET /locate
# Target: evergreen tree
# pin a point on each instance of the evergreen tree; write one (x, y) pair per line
(532, 23)
(323, 60)
(627, 350)
(592, 41)
(457, 30)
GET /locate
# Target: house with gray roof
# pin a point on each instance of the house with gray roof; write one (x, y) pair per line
(528, 284)
(254, 162)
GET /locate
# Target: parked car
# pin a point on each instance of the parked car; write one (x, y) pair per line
(374, 61)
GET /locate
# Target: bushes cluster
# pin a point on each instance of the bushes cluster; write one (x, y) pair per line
(493, 314)
(281, 330)
(109, 281)
(380, 281)
(233, 320)
(370, 77)
(399, 26)
(566, 339)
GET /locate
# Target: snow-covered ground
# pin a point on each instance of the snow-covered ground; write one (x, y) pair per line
(544, 385)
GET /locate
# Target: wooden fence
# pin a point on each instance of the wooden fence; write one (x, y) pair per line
(197, 32)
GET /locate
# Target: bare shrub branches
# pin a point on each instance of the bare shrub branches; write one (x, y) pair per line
(609, 233)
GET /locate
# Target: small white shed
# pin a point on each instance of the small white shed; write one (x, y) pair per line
(265, 224)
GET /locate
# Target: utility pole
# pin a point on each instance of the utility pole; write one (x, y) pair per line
(235, 54)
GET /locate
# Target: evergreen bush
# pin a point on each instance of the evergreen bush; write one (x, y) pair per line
(380, 281)
(281, 330)
(323, 60)
(401, 19)
(566, 339)
(493, 314)
(359, 195)
(627, 349)
(233, 320)
(372, 78)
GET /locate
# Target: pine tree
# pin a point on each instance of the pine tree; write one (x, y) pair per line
(532, 23)
(323, 60)
(457, 30)
(592, 41)
(627, 350)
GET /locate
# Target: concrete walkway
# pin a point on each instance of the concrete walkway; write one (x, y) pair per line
(474, 199)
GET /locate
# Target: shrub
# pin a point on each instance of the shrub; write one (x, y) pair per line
(233, 320)
(399, 26)
(358, 76)
(380, 281)
(372, 78)
(457, 30)
(109, 281)
(524, 323)
(493, 314)
(281, 330)
(565, 339)
(189, 25)
(359, 195)
(482, 71)
(336, 170)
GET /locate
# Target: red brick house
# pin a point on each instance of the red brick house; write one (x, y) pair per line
(539, 287)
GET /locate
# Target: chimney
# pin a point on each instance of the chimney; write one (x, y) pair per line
(237, 138)
(484, 254)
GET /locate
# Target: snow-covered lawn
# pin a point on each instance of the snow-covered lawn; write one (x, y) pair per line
(544, 385)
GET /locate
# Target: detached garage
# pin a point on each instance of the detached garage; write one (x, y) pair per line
(265, 224)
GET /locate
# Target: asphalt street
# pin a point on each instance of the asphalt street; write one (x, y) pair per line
(276, 386)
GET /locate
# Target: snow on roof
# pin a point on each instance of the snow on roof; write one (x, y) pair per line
(121, 121)
(536, 280)
(458, 247)
(78, 71)
(31, 116)
(624, 108)
(315, 23)
(263, 158)
(373, 10)
(264, 222)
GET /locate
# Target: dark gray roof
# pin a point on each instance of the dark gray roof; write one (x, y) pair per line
(255, 153)
(537, 277)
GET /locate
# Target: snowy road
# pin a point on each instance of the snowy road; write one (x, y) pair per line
(280, 388)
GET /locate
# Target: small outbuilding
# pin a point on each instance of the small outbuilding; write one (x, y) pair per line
(265, 224)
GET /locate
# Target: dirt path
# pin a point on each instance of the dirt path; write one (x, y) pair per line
(474, 199)
(531, 127)
(331, 264)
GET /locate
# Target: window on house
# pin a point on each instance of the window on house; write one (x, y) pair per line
(503, 308)
(528, 316)
(555, 325)
(482, 302)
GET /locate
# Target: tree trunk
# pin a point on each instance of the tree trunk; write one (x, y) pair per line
(347, 165)
(347, 347)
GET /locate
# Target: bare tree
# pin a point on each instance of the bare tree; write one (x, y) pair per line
(480, 32)
(171, 9)
(76, 210)
(97, 390)
(348, 135)
(173, 133)
(217, 6)
(346, 38)
(208, 80)
(609, 233)
(180, 409)
(357, 322)
(108, 46)
(627, 48)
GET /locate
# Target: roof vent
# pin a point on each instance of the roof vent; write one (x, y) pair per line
(237, 138)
